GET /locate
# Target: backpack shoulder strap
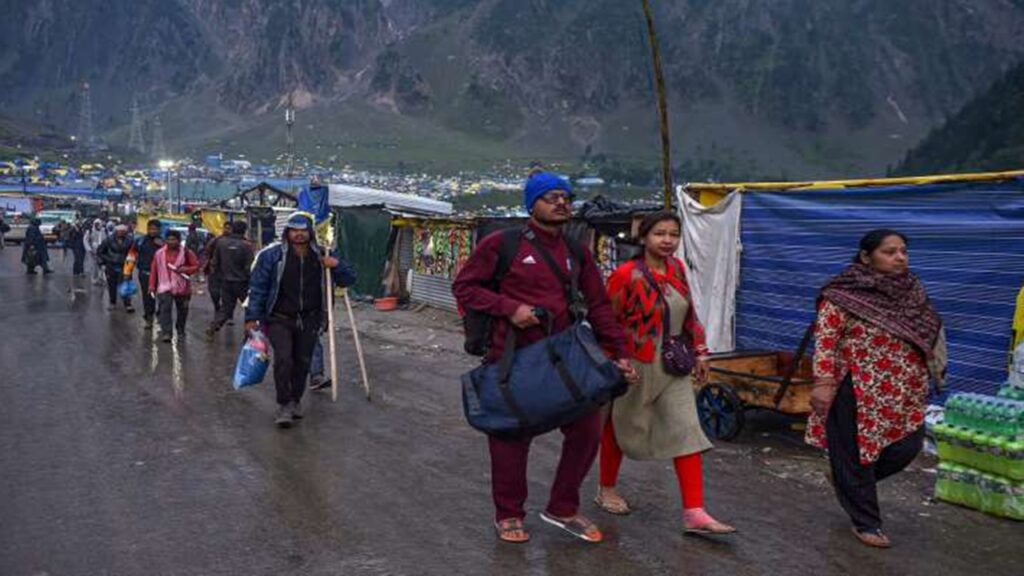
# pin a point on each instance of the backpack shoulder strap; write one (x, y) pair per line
(507, 250)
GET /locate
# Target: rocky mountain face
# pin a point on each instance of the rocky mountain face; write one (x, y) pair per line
(987, 134)
(798, 88)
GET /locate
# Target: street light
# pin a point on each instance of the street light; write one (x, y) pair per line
(166, 166)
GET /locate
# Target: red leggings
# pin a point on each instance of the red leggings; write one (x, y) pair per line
(688, 469)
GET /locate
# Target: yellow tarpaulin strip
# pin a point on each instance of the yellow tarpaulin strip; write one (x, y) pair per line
(1018, 320)
(831, 184)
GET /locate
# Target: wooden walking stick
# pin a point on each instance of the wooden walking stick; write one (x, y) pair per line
(331, 346)
(359, 346)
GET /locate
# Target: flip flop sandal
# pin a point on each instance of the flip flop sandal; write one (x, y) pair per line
(623, 510)
(506, 528)
(579, 527)
(712, 528)
(873, 537)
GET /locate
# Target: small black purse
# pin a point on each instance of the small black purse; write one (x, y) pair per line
(677, 356)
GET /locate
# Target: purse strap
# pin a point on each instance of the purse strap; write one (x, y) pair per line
(667, 324)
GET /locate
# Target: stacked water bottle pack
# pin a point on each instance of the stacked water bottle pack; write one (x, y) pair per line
(981, 445)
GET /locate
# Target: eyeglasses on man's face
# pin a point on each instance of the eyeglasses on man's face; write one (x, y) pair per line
(556, 196)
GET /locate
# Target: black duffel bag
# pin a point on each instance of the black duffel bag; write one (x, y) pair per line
(542, 386)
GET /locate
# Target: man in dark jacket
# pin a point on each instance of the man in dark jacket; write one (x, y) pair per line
(530, 283)
(76, 242)
(146, 248)
(232, 258)
(34, 252)
(212, 275)
(112, 254)
(287, 298)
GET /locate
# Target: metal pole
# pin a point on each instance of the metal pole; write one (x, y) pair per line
(659, 79)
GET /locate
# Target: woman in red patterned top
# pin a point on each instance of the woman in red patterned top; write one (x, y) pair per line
(657, 419)
(877, 340)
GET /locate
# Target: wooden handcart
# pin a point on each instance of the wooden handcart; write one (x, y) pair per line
(758, 379)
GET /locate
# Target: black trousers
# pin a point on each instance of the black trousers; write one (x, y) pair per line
(168, 301)
(114, 278)
(148, 302)
(78, 268)
(856, 483)
(213, 284)
(293, 340)
(230, 294)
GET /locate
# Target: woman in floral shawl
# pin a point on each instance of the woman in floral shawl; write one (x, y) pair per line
(877, 340)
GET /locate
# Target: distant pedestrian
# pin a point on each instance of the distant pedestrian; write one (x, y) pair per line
(170, 279)
(213, 282)
(94, 238)
(34, 253)
(76, 243)
(146, 249)
(318, 379)
(4, 229)
(232, 258)
(878, 340)
(657, 420)
(287, 298)
(112, 254)
(534, 280)
(194, 240)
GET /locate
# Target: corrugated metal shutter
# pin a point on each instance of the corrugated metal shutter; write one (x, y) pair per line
(405, 250)
(433, 290)
(966, 245)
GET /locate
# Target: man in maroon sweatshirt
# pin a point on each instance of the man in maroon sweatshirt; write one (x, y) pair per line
(530, 283)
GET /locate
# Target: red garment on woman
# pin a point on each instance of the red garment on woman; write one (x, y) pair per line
(889, 374)
(641, 316)
(689, 469)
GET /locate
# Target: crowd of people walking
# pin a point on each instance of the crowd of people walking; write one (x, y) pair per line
(879, 343)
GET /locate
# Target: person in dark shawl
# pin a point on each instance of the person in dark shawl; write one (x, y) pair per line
(878, 341)
(34, 253)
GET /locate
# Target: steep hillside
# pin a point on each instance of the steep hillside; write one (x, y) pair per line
(791, 87)
(986, 135)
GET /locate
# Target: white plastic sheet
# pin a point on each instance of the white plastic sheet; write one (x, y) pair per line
(711, 250)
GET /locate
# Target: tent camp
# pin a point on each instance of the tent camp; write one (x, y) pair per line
(365, 231)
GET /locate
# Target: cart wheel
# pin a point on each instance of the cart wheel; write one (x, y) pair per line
(720, 411)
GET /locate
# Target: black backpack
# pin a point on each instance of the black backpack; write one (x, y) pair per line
(478, 326)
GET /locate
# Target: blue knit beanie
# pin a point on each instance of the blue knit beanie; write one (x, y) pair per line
(540, 184)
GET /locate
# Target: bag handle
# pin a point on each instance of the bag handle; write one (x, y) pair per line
(570, 283)
(667, 324)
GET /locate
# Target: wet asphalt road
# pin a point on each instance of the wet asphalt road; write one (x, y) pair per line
(121, 455)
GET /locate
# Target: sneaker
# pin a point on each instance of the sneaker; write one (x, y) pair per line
(319, 383)
(231, 322)
(165, 336)
(112, 307)
(297, 412)
(129, 309)
(284, 416)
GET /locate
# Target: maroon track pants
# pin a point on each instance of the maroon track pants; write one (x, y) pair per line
(508, 469)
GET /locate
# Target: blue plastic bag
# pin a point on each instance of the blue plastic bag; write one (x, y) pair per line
(127, 288)
(252, 361)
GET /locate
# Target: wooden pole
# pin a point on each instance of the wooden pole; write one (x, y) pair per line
(331, 346)
(659, 79)
(359, 346)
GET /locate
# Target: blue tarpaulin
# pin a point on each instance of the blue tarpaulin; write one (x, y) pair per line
(966, 245)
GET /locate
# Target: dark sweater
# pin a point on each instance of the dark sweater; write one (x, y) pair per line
(301, 290)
